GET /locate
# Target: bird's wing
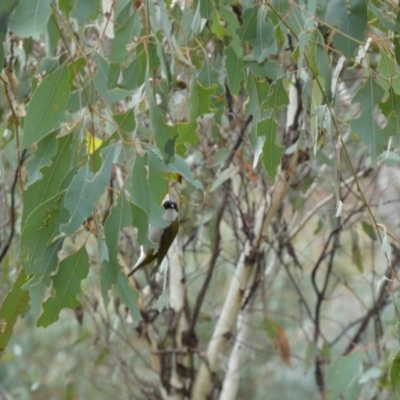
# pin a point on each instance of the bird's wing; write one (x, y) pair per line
(167, 238)
(144, 259)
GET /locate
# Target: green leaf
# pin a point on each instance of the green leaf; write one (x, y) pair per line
(128, 296)
(15, 304)
(387, 70)
(122, 36)
(208, 76)
(217, 27)
(258, 92)
(38, 284)
(38, 231)
(366, 128)
(206, 8)
(135, 73)
(319, 60)
(342, 373)
(149, 186)
(368, 229)
(101, 80)
(141, 222)
(46, 149)
(272, 153)
(264, 43)
(182, 168)
(391, 108)
(120, 217)
(231, 29)
(234, 70)
(384, 21)
(248, 30)
(140, 192)
(277, 97)
(84, 10)
(350, 17)
(395, 371)
(67, 285)
(66, 6)
(356, 254)
(46, 106)
(51, 173)
(164, 134)
(199, 103)
(84, 191)
(29, 18)
(126, 124)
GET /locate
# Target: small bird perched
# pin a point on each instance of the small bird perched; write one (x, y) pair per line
(162, 236)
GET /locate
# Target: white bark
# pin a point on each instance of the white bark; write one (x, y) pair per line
(237, 359)
(177, 289)
(239, 352)
(240, 280)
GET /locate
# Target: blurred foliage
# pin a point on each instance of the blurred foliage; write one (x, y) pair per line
(109, 107)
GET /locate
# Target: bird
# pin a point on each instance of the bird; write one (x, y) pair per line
(163, 236)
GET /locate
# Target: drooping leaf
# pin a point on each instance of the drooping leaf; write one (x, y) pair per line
(84, 10)
(199, 103)
(350, 17)
(85, 189)
(165, 134)
(29, 18)
(342, 373)
(126, 124)
(208, 76)
(272, 153)
(248, 30)
(234, 70)
(388, 77)
(67, 285)
(128, 295)
(120, 217)
(140, 193)
(319, 61)
(15, 304)
(365, 126)
(45, 151)
(52, 175)
(258, 92)
(391, 109)
(180, 166)
(148, 186)
(231, 29)
(38, 231)
(140, 221)
(38, 284)
(206, 8)
(123, 34)
(47, 105)
(101, 80)
(277, 97)
(395, 371)
(134, 74)
(264, 43)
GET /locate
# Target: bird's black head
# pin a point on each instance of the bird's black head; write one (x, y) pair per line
(170, 205)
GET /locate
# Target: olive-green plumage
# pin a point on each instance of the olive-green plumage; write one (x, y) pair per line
(163, 236)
